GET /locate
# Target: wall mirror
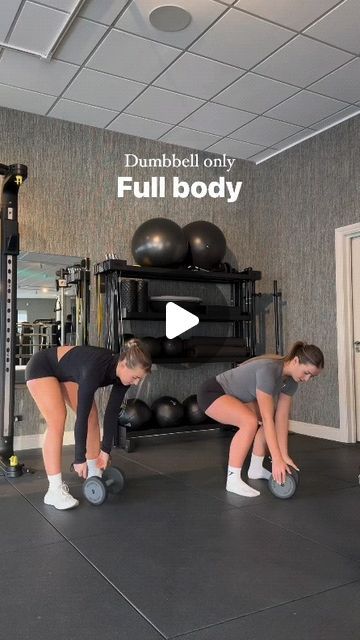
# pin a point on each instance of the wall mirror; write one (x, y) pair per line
(51, 310)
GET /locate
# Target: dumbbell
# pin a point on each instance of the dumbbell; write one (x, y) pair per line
(286, 490)
(96, 490)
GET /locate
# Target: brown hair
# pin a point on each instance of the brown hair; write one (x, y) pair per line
(307, 353)
(135, 353)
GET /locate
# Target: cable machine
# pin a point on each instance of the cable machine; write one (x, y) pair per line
(11, 179)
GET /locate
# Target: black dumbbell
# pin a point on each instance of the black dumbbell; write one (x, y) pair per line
(286, 490)
(96, 489)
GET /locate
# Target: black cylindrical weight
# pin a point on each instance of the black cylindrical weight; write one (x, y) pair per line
(128, 294)
(142, 296)
(114, 479)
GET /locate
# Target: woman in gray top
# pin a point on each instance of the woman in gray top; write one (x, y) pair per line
(256, 397)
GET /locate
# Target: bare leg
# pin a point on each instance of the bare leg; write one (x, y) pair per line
(230, 410)
(48, 397)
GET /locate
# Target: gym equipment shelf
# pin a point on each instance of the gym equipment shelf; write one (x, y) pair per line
(161, 273)
(240, 313)
(211, 313)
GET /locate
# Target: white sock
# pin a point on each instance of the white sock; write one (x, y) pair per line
(235, 484)
(55, 481)
(93, 470)
(256, 469)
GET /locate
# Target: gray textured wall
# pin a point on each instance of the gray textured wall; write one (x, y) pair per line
(283, 223)
(300, 197)
(69, 206)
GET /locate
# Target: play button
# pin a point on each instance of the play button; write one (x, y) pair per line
(178, 320)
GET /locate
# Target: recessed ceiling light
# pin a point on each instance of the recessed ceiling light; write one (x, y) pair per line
(170, 18)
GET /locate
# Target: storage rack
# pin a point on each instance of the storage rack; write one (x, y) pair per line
(240, 312)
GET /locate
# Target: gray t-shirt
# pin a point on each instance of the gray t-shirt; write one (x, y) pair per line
(264, 374)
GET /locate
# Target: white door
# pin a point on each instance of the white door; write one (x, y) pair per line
(355, 270)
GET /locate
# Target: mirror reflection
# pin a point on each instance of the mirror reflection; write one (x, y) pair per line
(49, 303)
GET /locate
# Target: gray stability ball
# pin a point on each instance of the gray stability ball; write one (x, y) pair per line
(159, 242)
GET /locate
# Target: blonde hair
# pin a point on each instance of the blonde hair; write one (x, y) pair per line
(136, 354)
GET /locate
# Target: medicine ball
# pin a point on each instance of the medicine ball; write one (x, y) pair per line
(172, 347)
(159, 242)
(207, 244)
(135, 414)
(168, 411)
(153, 345)
(193, 413)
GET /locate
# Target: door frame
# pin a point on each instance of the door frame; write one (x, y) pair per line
(345, 331)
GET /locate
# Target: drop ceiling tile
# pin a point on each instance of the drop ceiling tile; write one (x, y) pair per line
(120, 53)
(240, 39)
(255, 93)
(340, 27)
(305, 134)
(290, 13)
(164, 106)
(344, 83)
(215, 118)
(189, 138)
(80, 40)
(339, 117)
(15, 98)
(306, 108)
(235, 149)
(141, 127)
(63, 5)
(103, 90)
(263, 155)
(136, 20)
(302, 61)
(104, 11)
(197, 76)
(265, 131)
(82, 113)
(8, 11)
(37, 27)
(29, 72)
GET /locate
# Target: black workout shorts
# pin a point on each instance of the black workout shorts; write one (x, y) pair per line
(209, 391)
(42, 364)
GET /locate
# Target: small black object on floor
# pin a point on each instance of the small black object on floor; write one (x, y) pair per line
(174, 555)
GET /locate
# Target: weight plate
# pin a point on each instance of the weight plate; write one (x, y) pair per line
(114, 479)
(285, 490)
(95, 491)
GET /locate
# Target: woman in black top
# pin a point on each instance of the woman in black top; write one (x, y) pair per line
(70, 376)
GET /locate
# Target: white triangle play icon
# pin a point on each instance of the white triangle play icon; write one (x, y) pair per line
(178, 320)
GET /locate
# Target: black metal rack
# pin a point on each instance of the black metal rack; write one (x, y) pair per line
(240, 312)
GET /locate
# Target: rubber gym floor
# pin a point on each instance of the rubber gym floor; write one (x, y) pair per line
(175, 556)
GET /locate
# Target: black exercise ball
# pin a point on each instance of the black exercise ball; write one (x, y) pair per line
(125, 337)
(172, 347)
(135, 414)
(207, 244)
(193, 413)
(168, 411)
(159, 242)
(153, 345)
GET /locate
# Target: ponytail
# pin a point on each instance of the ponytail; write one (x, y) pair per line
(307, 354)
(135, 354)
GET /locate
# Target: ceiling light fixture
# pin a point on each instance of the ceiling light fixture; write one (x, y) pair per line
(310, 135)
(170, 18)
